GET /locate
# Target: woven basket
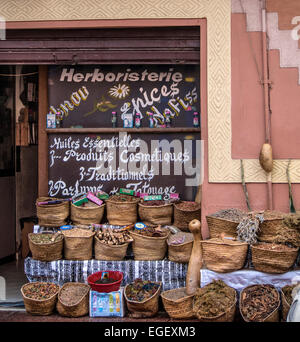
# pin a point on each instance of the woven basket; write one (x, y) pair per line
(182, 218)
(121, 213)
(224, 256)
(81, 308)
(87, 214)
(52, 215)
(78, 248)
(271, 261)
(273, 316)
(46, 251)
(104, 251)
(149, 248)
(270, 226)
(158, 214)
(285, 305)
(227, 316)
(39, 307)
(182, 252)
(146, 308)
(177, 303)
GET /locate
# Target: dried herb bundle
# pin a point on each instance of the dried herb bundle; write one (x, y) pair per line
(140, 290)
(248, 228)
(213, 299)
(289, 232)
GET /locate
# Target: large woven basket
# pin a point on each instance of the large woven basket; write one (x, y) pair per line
(224, 256)
(148, 248)
(78, 248)
(39, 307)
(104, 251)
(122, 213)
(272, 261)
(159, 214)
(273, 316)
(227, 316)
(177, 303)
(52, 215)
(182, 218)
(146, 308)
(81, 308)
(46, 251)
(270, 226)
(218, 225)
(182, 252)
(87, 214)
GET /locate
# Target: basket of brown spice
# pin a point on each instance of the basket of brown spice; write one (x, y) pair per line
(46, 246)
(155, 212)
(40, 297)
(52, 215)
(224, 254)
(215, 302)
(180, 247)
(122, 209)
(260, 303)
(273, 258)
(111, 244)
(185, 212)
(88, 213)
(73, 300)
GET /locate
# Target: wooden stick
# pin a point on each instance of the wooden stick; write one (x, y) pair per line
(244, 186)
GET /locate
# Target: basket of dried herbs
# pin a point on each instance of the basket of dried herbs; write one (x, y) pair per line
(52, 215)
(273, 258)
(73, 300)
(150, 243)
(155, 212)
(78, 244)
(122, 209)
(142, 298)
(46, 246)
(286, 299)
(87, 213)
(260, 303)
(40, 297)
(271, 224)
(224, 221)
(111, 244)
(215, 302)
(180, 247)
(185, 212)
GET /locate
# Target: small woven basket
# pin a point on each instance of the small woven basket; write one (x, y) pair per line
(52, 215)
(177, 303)
(159, 214)
(104, 251)
(149, 248)
(182, 252)
(224, 256)
(272, 261)
(39, 307)
(182, 218)
(272, 317)
(79, 309)
(146, 308)
(122, 213)
(46, 251)
(92, 214)
(78, 248)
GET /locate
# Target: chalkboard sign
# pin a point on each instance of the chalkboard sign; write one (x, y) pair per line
(156, 164)
(86, 95)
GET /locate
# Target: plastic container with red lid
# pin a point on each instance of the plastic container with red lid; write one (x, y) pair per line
(116, 275)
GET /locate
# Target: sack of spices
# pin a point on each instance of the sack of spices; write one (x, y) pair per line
(122, 209)
(142, 298)
(87, 213)
(111, 244)
(180, 247)
(40, 297)
(260, 303)
(78, 244)
(215, 302)
(273, 258)
(149, 243)
(185, 212)
(156, 212)
(52, 215)
(224, 254)
(286, 299)
(46, 246)
(73, 300)
(224, 221)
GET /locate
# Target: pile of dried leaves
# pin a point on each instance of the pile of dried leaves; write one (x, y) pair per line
(213, 299)
(141, 290)
(258, 302)
(289, 232)
(231, 214)
(248, 228)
